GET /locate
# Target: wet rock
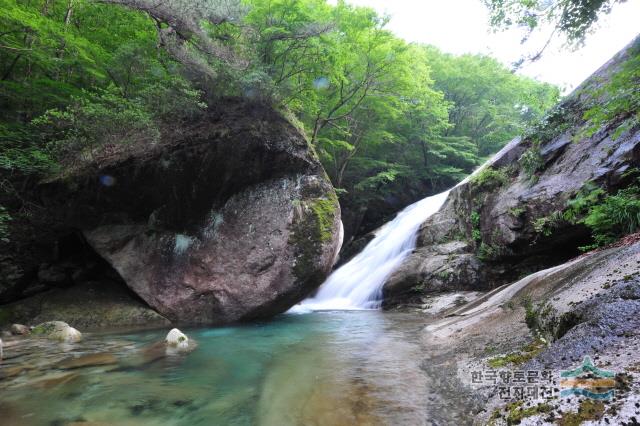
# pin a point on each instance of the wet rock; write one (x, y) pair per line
(8, 372)
(177, 339)
(91, 360)
(93, 305)
(57, 330)
(1, 349)
(177, 343)
(20, 330)
(440, 268)
(52, 380)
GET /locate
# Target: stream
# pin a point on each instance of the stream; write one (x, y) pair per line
(333, 360)
(323, 368)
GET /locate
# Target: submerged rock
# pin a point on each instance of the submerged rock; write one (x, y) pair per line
(57, 330)
(90, 360)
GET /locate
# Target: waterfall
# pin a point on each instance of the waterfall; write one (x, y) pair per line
(358, 284)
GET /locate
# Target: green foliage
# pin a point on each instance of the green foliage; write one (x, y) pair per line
(517, 211)
(83, 81)
(490, 104)
(572, 18)
(615, 216)
(531, 161)
(475, 226)
(588, 196)
(519, 357)
(385, 116)
(547, 224)
(488, 252)
(103, 120)
(489, 178)
(82, 75)
(19, 153)
(608, 216)
(621, 99)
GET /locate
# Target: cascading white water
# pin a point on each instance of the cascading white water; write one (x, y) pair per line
(358, 284)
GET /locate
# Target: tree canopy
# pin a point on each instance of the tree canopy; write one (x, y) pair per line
(80, 77)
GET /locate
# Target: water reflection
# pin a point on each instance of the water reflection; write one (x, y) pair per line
(330, 368)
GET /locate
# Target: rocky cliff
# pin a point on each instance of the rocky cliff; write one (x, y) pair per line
(230, 217)
(506, 221)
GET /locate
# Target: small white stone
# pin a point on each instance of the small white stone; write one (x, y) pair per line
(20, 330)
(70, 335)
(177, 339)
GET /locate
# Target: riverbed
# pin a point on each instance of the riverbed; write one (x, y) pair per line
(322, 368)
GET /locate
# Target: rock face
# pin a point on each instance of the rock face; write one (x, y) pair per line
(499, 226)
(589, 306)
(228, 218)
(89, 306)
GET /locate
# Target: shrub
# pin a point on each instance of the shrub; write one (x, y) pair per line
(621, 99)
(475, 226)
(531, 161)
(615, 216)
(488, 252)
(93, 121)
(489, 178)
(106, 118)
(546, 225)
(18, 153)
(609, 217)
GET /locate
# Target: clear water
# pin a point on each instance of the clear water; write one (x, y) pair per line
(326, 368)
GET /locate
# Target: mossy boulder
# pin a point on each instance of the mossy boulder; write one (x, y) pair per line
(227, 219)
(57, 330)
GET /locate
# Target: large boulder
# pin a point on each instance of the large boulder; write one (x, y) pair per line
(504, 221)
(229, 217)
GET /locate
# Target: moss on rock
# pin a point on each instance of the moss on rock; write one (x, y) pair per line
(314, 227)
(589, 410)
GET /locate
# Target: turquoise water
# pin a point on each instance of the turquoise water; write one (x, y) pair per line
(327, 368)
